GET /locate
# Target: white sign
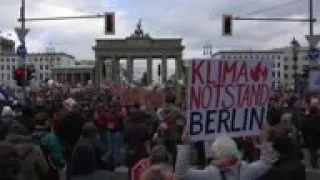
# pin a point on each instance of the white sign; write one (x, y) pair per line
(314, 80)
(313, 40)
(21, 33)
(227, 97)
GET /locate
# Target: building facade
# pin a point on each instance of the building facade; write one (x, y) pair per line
(283, 63)
(6, 45)
(73, 74)
(42, 62)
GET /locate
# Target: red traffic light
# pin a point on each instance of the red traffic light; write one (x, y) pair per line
(110, 23)
(227, 25)
(19, 72)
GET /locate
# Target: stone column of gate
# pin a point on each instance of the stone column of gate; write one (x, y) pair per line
(164, 69)
(130, 69)
(117, 60)
(179, 66)
(115, 70)
(73, 78)
(149, 70)
(82, 79)
(97, 71)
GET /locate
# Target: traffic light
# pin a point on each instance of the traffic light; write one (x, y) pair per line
(159, 69)
(305, 73)
(30, 73)
(19, 76)
(227, 25)
(110, 23)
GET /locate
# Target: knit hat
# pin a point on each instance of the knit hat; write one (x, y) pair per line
(69, 103)
(89, 130)
(224, 148)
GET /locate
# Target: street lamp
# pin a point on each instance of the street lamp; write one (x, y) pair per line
(295, 50)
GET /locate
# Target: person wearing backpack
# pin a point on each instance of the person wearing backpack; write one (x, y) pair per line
(33, 162)
(172, 124)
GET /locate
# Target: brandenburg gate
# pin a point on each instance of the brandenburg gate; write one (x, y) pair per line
(137, 46)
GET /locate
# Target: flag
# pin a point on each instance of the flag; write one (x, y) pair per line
(3, 94)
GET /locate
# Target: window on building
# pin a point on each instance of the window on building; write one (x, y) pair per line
(8, 59)
(2, 77)
(286, 58)
(35, 59)
(8, 77)
(273, 74)
(2, 67)
(13, 60)
(306, 58)
(286, 75)
(40, 59)
(294, 67)
(285, 67)
(13, 67)
(41, 67)
(279, 74)
(8, 67)
(41, 76)
(278, 64)
(273, 57)
(47, 67)
(278, 57)
(1, 60)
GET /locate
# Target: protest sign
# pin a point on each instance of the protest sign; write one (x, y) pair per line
(227, 97)
(148, 98)
(314, 81)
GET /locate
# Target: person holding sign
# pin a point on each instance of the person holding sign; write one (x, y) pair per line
(226, 162)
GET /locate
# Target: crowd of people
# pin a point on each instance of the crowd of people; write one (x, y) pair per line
(83, 135)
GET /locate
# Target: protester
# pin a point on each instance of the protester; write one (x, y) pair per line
(137, 136)
(310, 130)
(70, 126)
(113, 125)
(90, 135)
(83, 164)
(42, 127)
(159, 172)
(7, 117)
(172, 124)
(9, 162)
(33, 162)
(288, 166)
(226, 161)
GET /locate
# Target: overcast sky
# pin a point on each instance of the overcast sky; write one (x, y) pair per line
(196, 21)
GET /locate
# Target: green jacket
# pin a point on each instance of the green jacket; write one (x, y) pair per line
(175, 114)
(55, 147)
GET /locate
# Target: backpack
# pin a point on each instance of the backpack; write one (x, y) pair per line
(29, 168)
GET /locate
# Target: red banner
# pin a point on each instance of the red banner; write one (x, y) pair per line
(143, 97)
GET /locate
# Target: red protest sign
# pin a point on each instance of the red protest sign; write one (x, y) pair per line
(153, 98)
(138, 168)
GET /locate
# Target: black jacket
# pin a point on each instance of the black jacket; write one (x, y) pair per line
(286, 168)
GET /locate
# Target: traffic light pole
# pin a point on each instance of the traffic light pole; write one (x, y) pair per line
(23, 44)
(311, 20)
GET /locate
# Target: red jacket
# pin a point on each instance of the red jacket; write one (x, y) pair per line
(112, 122)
